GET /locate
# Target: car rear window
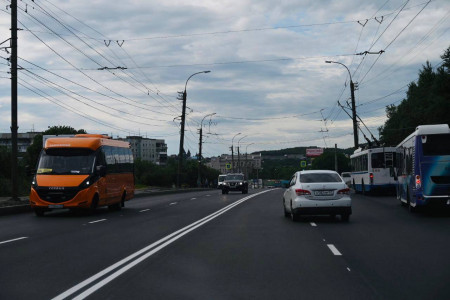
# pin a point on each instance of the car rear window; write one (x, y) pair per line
(320, 177)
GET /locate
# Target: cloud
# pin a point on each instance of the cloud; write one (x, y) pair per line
(267, 62)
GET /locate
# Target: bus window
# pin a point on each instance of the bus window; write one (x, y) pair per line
(66, 161)
(436, 144)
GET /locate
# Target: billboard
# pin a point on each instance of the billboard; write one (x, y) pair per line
(314, 152)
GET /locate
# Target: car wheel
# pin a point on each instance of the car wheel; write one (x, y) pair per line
(286, 213)
(294, 216)
(345, 217)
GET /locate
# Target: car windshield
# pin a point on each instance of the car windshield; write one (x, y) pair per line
(319, 177)
(235, 177)
(66, 161)
(221, 178)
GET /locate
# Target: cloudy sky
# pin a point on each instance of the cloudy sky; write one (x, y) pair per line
(115, 67)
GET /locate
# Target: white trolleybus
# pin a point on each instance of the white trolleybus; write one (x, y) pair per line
(373, 170)
(423, 169)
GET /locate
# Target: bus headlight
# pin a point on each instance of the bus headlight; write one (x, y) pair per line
(34, 182)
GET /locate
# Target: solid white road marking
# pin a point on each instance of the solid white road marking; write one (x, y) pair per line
(101, 220)
(313, 224)
(173, 203)
(208, 195)
(149, 251)
(193, 198)
(13, 240)
(348, 269)
(334, 249)
(144, 210)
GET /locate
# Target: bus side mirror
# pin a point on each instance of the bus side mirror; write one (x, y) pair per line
(30, 171)
(101, 170)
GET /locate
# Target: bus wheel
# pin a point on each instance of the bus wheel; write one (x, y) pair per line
(354, 187)
(363, 188)
(94, 204)
(411, 208)
(39, 211)
(399, 195)
(118, 205)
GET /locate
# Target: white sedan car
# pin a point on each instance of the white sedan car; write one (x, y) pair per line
(318, 192)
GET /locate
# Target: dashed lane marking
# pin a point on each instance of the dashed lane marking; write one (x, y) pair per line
(334, 249)
(101, 220)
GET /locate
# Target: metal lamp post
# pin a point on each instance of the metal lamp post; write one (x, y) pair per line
(239, 155)
(232, 151)
(183, 117)
(199, 178)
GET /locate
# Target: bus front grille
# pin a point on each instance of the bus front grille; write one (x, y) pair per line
(56, 196)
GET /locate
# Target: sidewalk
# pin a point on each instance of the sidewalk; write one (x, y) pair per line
(8, 206)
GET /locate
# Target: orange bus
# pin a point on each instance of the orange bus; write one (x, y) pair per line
(83, 172)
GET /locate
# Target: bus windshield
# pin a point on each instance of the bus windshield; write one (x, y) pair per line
(66, 161)
(436, 144)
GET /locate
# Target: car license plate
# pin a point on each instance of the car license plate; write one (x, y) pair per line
(323, 193)
(56, 206)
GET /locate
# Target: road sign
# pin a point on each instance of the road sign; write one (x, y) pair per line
(303, 163)
(228, 166)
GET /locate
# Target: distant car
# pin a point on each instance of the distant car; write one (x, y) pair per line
(318, 192)
(220, 180)
(347, 176)
(235, 182)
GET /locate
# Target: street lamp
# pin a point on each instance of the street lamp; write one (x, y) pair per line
(246, 161)
(352, 92)
(199, 178)
(239, 155)
(232, 151)
(183, 117)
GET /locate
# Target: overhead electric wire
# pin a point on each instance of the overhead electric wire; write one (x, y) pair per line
(362, 79)
(69, 93)
(48, 97)
(92, 79)
(133, 78)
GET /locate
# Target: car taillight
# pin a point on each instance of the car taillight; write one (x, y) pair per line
(344, 191)
(301, 192)
(418, 181)
(371, 178)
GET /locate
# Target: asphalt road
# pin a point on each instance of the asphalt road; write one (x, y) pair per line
(206, 245)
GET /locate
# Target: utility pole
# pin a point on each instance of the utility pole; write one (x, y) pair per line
(352, 93)
(199, 180)
(335, 158)
(239, 160)
(14, 127)
(355, 122)
(180, 151)
(232, 158)
(183, 118)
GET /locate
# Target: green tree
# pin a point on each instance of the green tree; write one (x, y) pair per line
(426, 102)
(326, 162)
(35, 148)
